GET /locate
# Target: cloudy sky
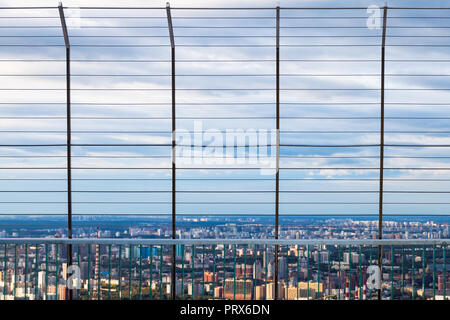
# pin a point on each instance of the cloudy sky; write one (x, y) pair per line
(330, 96)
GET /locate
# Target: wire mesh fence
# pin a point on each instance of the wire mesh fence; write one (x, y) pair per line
(223, 271)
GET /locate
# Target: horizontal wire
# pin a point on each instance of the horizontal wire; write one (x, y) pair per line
(223, 191)
(227, 60)
(170, 145)
(223, 45)
(236, 104)
(218, 36)
(221, 131)
(221, 8)
(225, 36)
(227, 75)
(231, 104)
(230, 157)
(223, 17)
(287, 215)
(226, 168)
(223, 203)
(172, 8)
(419, 8)
(192, 103)
(244, 8)
(225, 89)
(246, 146)
(222, 27)
(227, 17)
(27, 8)
(224, 179)
(218, 118)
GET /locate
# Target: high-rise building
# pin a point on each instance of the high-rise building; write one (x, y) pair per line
(84, 270)
(41, 280)
(194, 290)
(270, 290)
(257, 270)
(292, 293)
(209, 276)
(268, 256)
(218, 292)
(282, 268)
(62, 292)
(244, 270)
(309, 288)
(239, 289)
(270, 270)
(354, 257)
(441, 280)
(259, 292)
(64, 271)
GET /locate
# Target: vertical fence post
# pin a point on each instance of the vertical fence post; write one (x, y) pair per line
(5, 272)
(172, 46)
(423, 272)
(445, 271)
(380, 203)
(277, 172)
(119, 273)
(26, 269)
(413, 272)
(15, 271)
(36, 271)
(69, 151)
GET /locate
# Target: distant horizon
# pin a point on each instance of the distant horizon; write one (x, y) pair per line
(180, 218)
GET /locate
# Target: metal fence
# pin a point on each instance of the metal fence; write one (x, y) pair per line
(222, 269)
(90, 112)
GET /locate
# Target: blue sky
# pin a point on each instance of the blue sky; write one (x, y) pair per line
(311, 111)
